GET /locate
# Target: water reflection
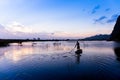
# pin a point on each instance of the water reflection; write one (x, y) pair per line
(78, 58)
(117, 53)
(117, 50)
(16, 53)
(49, 61)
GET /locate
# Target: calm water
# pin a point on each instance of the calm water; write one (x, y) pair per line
(100, 60)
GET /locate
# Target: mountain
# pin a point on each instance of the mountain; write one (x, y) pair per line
(98, 37)
(115, 35)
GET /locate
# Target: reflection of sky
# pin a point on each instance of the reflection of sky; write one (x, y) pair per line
(17, 53)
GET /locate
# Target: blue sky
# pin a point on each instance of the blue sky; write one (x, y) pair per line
(57, 18)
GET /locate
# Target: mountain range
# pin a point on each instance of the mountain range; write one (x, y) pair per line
(98, 37)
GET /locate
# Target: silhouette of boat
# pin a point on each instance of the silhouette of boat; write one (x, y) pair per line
(79, 51)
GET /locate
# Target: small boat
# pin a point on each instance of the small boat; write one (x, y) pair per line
(79, 51)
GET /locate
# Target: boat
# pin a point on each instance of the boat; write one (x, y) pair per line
(79, 51)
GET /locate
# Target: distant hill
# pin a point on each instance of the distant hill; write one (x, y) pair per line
(115, 35)
(98, 37)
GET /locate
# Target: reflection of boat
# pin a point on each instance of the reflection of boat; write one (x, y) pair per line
(79, 51)
(78, 58)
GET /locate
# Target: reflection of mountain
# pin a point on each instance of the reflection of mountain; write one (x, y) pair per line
(117, 53)
(115, 35)
(98, 37)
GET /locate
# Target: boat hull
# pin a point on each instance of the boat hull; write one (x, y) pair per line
(78, 51)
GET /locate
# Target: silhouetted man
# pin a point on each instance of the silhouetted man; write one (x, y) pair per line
(78, 45)
(78, 48)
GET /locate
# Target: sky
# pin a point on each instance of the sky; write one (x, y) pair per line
(57, 18)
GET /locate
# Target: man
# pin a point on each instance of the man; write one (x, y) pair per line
(78, 45)
(78, 48)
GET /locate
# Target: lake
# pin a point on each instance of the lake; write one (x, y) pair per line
(100, 60)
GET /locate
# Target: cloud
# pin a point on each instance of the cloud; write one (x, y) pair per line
(1, 27)
(41, 35)
(10, 33)
(4, 33)
(65, 35)
(108, 9)
(113, 18)
(104, 19)
(16, 30)
(95, 9)
(100, 19)
(18, 27)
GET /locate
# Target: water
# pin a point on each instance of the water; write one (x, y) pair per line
(100, 60)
